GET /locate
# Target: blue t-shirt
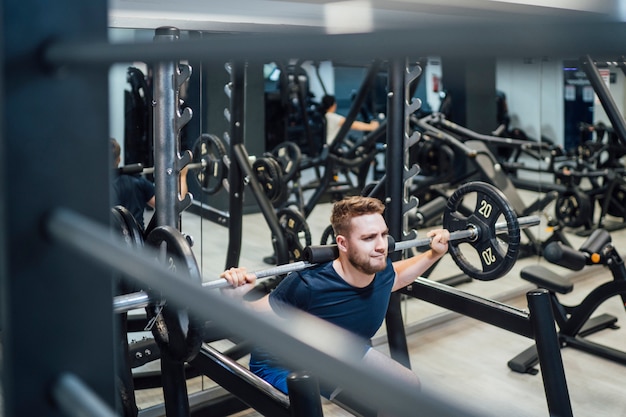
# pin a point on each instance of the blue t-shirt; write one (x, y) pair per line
(320, 291)
(132, 192)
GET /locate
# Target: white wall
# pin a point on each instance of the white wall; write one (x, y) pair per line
(327, 75)
(534, 90)
(534, 93)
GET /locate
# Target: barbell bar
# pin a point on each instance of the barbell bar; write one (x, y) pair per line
(141, 299)
(471, 233)
(317, 254)
(479, 230)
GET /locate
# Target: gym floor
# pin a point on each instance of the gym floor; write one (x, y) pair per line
(457, 358)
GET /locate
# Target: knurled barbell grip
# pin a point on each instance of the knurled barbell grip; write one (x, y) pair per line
(263, 273)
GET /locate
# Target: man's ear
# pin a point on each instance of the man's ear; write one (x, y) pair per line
(341, 243)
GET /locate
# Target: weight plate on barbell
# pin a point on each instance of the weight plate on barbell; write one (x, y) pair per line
(124, 222)
(495, 255)
(174, 329)
(210, 149)
(131, 231)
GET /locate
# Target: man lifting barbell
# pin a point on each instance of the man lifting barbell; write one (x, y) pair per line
(349, 283)
(351, 291)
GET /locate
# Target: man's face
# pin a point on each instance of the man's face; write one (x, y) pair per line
(367, 243)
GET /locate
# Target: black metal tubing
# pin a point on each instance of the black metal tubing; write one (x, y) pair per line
(355, 108)
(602, 90)
(172, 376)
(278, 238)
(304, 395)
(574, 321)
(329, 168)
(483, 309)
(166, 127)
(494, 140)
(34, 274)
(549, 353)
(582, 312)
(331, 162)
(242, 383)
(235, 177)
(537, 325)
(487, 38)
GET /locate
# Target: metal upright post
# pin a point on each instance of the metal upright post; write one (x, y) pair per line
(304, 395)
(235, 116)
(55, 307)
(167, 122)
(549, 353)
(395, 195)
(168, 77)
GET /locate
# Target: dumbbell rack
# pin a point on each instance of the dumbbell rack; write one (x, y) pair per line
(168, 121)
(399, 139)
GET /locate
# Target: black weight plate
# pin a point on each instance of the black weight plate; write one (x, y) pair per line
(491, 205)
(131, 230)
(296, 232)
(174, 329)
(124, 222)
(268, 174)
(288, 155)
(211, 149)
(573, 208)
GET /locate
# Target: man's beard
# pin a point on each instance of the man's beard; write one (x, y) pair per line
(363, 263)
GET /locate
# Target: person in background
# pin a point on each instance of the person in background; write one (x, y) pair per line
(352, 291)
(334, 121)
(135, 192)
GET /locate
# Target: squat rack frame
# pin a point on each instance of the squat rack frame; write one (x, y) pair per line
(53, 116)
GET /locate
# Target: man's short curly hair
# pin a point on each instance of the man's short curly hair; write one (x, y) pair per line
(349, 207)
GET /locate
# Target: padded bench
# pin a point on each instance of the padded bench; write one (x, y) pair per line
(545, 278)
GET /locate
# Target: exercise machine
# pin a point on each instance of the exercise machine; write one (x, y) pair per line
(575, 322)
